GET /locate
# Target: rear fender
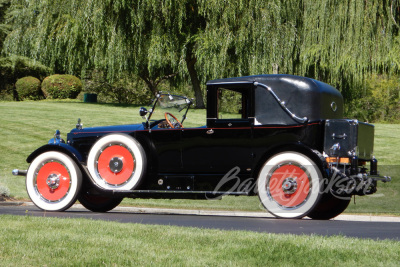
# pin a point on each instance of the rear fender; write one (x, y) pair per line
(313, 154)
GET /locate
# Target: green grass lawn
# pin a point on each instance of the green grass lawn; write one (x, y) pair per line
(25, 126)
(33, 241)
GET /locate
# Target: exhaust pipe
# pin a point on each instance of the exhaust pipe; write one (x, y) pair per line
(17, 172)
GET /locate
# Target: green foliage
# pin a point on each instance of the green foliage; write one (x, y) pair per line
(381, 101)
(75, 36)
(28, 88)
(127, 89)
(336, 41)
(15, 67)
(229, 102)
(61, 86)
(4, 28)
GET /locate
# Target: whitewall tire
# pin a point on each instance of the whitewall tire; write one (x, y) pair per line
(117, 162)
(53, 181)
(289, 185)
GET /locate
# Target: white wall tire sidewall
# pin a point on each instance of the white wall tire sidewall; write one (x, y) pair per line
(138, 154)
(75, 178)
(316, 185)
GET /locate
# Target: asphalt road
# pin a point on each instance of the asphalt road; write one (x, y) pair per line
(359, 229)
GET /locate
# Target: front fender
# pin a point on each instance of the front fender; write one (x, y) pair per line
(61, 147)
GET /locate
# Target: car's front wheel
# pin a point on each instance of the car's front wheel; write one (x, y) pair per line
(53, 181)
(289, 185)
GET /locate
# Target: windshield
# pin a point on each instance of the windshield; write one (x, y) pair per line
(167, 105)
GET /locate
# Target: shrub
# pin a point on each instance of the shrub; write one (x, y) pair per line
(15, 67)
(61, 86)
(28, 88)
(380, 103)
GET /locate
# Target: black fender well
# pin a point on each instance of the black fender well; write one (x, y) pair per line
(313, 154)
(64, 148)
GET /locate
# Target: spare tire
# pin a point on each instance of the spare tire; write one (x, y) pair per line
(117, 162)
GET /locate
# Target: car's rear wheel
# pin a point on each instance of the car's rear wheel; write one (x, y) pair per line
(53, 181)
(98, 203)
(289, 185)
(329, 206)
(117, 162)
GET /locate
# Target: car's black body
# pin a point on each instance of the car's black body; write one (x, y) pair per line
(276, 114)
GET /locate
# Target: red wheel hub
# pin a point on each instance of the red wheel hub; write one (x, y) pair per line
(289, 185)
(115, 164)
(53, 181)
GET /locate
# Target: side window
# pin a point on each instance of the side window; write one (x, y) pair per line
(231, 104)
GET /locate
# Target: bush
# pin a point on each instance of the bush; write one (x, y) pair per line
(380, 103)
(61, 86)
(28, 88)
(15, 67)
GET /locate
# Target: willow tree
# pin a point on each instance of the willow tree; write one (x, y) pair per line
(4, 28)
(247, 37)
(337, 41)
(169, 28)
(343, 41)
(143, 38)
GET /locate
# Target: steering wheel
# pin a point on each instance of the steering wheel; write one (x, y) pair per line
(172, 120)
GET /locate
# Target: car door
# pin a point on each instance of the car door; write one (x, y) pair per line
(224, 146)
(217, 149)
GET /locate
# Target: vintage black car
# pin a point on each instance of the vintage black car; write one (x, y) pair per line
(280, 137)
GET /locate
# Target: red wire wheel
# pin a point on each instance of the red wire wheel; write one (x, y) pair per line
(290, 185)
(117, 162)
(53, 181)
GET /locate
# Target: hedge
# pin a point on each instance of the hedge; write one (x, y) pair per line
(61, 86)
(28, 88)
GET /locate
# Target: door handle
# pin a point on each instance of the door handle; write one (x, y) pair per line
(343, 136)
(211, 131)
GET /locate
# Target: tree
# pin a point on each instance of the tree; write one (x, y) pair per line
(345, 41)
(141, 38)
(247, 37)
(4, 28)
(336, 41)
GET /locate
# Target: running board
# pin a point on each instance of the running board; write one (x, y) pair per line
(171, 193)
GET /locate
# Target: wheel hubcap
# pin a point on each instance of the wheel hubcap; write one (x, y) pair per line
(53, 181)
(116, 164)
(289, 185)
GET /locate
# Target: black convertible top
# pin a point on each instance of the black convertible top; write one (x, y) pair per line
(303, 97)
